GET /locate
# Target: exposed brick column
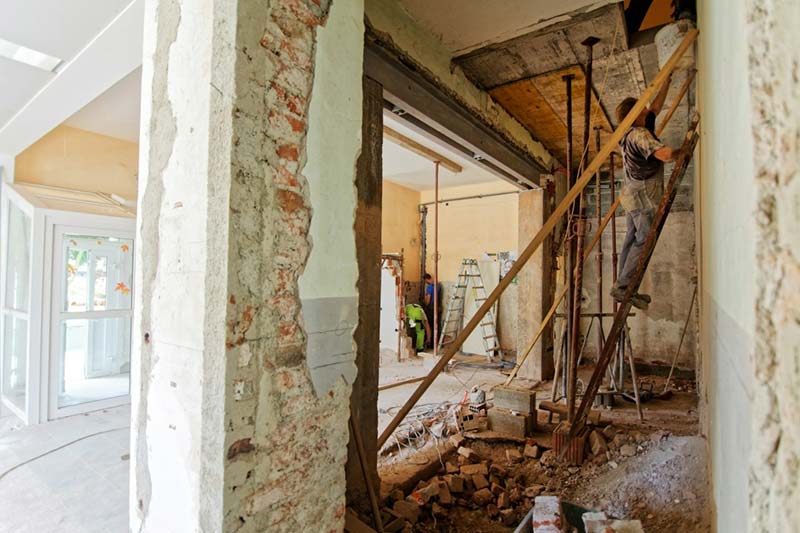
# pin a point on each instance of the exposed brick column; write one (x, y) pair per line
(229, 432)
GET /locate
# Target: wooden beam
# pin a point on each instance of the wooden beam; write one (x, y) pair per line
(423, 151)
(538, 239)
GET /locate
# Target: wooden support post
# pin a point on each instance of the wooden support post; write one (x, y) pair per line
(539, 238)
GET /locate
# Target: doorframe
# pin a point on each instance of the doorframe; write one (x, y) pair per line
(81, 223)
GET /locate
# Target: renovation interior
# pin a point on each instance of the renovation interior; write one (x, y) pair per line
(217, 216)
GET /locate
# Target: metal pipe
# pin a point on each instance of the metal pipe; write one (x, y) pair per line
(423, 227)
(570, 255)
(599, 255)
(473, 197)
(436, 262)
(572, 383)
(400, 312)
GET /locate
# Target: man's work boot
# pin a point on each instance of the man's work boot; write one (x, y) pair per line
(640, 301)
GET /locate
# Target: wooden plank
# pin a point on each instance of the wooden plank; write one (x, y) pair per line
(561, 410)
(540, 104)
(423, 151)
(539, 238)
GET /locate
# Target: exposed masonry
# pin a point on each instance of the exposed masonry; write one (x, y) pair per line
(281, 439)
(775, 86)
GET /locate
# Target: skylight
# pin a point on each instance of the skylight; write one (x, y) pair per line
(28, 56)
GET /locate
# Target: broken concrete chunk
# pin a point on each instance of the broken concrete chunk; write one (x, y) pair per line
(469, 454)
(513, 455)
(472, 469)
(424, 494)
(456, 440)
(480, 481)
(548, 458)
(619, 440)
(483, 497)
(498, 470)
(408, 510)
(627, 450)
(503, 501)
(533, 491)
(598, 443)
(531, 451)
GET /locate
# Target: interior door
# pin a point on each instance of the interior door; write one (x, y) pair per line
(92, 313)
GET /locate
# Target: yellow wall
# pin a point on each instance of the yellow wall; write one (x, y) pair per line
(469, 228)
(78, 159)
(400, 226)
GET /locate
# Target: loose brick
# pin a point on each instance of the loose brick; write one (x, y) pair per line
(455, 484)
(472, 469)
(483, 497)
(469, 454)
(480, 482)
(408, 510)
(513, 455)
(531, 451)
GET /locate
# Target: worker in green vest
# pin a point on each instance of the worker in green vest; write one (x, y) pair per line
(417, 324)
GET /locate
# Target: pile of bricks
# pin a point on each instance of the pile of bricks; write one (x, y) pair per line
(469, 481)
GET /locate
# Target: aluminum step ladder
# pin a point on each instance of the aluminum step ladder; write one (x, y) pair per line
(469, 277)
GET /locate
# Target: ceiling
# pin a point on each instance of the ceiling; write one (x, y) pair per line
(413, 171)
(464, 25)
(115, 112)
(55, 27)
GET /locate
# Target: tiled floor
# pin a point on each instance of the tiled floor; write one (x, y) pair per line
(69, 475)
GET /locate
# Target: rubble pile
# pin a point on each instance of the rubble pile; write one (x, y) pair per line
(502, 480)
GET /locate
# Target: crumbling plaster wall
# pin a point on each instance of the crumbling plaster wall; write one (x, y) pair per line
(250, 135)
(390, 20)
(774, 75)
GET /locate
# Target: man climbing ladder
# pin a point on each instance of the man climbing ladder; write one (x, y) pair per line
(643, 157)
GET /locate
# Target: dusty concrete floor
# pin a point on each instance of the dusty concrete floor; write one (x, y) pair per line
(664, 483)
(68, 475)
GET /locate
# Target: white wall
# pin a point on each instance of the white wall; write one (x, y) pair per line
(725, 210)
